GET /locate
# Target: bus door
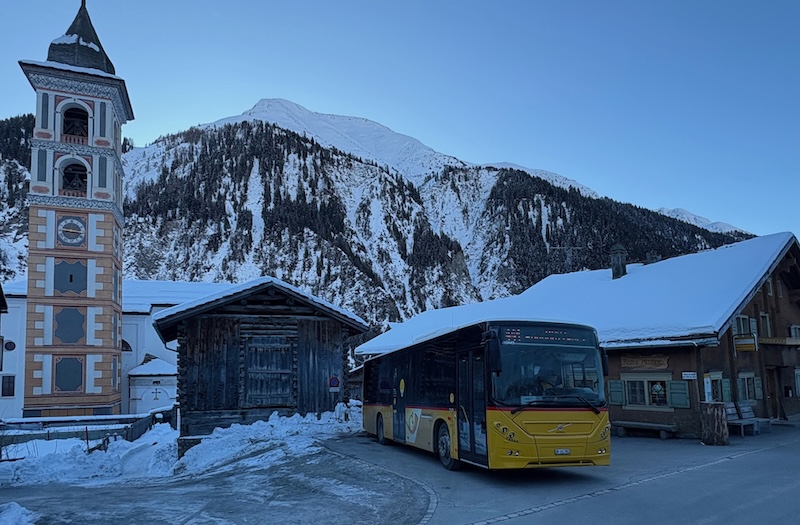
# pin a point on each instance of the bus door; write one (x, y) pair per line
(472, 407)
(399, 402)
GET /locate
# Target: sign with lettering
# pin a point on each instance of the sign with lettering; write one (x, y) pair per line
(650, 362)
(688, 375)
(745, 343)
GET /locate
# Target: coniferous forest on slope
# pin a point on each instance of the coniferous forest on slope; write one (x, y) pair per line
(251, 199)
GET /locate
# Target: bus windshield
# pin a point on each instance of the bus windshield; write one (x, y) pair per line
(546, 366)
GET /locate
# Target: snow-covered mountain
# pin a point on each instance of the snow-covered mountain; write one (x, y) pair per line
(697, 220)
(364, 217)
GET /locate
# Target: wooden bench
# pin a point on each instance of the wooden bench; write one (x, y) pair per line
(747, 413)
(735, 420)
(664, 430)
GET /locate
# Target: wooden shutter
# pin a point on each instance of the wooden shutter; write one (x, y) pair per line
(616, 392)
(757, 386)
(754, 326)
(678, 394)
(726, 390)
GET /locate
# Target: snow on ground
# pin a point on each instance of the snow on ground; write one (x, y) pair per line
(154, 455)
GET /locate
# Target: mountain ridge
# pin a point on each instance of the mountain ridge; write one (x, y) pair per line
(388, 230)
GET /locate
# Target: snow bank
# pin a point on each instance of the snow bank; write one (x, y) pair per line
(154, 455)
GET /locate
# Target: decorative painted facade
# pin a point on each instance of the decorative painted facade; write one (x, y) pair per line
(73, 337)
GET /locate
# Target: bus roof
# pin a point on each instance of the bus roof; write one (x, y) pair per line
(434, 323)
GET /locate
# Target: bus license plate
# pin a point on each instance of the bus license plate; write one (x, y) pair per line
(563, 452)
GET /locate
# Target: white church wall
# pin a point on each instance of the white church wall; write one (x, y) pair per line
(13, 331)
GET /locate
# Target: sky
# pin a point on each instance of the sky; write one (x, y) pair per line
(153, 456)
(681, 104)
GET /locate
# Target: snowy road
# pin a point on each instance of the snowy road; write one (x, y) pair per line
(309, 471)
(321, 488)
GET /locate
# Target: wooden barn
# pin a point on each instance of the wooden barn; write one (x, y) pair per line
(254, 349)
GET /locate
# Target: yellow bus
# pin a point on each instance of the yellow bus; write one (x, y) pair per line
(495, 394)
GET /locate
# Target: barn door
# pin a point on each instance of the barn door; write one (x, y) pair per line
(269, 375)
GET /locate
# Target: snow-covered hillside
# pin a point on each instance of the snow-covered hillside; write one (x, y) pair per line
(697, 220)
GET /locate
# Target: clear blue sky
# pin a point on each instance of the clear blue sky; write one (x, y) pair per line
(678, 104)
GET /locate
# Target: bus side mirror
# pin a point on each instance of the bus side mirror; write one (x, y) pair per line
(604, 357)
(493, 351)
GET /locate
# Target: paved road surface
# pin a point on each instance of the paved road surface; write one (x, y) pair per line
(356, 481)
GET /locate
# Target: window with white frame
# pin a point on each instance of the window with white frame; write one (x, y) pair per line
(742, 325)
(720, 387)
(766, 330)
(749, 386)
(646, 391)
(7, 389)
(794, 330)
(768, 286)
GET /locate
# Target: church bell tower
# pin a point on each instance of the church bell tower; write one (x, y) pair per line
(74, 314)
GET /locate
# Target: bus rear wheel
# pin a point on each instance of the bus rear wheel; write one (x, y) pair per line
(379, 430)
(443, 448)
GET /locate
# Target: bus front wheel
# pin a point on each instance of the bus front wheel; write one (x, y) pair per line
(443, 448)
(379, 430)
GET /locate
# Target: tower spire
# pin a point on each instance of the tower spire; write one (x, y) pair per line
(80, 46)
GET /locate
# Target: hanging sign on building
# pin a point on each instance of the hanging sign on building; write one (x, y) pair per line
(745, 343)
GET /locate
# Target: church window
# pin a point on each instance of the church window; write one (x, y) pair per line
(74, 180)
(41, 171)
(8, 386)
(102, 177)
(102, 119)
(76, 126)
(45, 110)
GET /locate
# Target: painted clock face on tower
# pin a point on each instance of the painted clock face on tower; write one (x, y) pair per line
(71, 231)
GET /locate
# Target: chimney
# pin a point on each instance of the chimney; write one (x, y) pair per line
(652, 257)
(618, 264)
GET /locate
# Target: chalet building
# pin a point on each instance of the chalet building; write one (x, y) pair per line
(715, 326)
(254, 349)
(140, 341)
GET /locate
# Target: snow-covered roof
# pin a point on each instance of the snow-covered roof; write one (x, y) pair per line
(692, 296)
(142, 296)
(139, 297)
(71, 68)
(33, 70)
(166, 319)
(80, 46)
(433, 323)
(154, 367)
(689, 297)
